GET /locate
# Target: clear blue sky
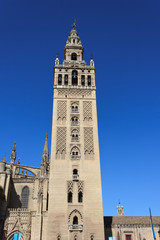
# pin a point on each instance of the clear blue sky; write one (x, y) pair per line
(124, 37)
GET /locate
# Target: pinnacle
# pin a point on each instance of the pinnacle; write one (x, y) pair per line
(45, 149)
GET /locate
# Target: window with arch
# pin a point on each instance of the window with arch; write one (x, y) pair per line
(83, 80)
(75, 135)
(74, 77)
(58, 237)
(75, 174)
(75, 220)
(74, 56)
(25, 197)
(74, 121)
(75, 153)
(59, 79)
(92, 237)
(69, 197)
(75, 237)
(74, 107)
(80, 197)
(89, 80)
(75, 171)
(66, 79)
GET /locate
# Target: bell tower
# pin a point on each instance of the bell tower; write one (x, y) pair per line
(75, 199)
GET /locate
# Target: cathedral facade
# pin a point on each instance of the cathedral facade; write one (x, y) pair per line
(62, 199)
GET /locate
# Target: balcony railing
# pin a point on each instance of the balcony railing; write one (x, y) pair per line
(75, 156)
(75, 227)
(74, 110)
(75, 139)
(75, 177)
(74, 123)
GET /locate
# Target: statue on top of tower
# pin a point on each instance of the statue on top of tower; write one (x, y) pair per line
(74, 24)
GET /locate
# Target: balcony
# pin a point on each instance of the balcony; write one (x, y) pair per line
(75, 139)
(74, 110)
(75, 177)
(75, 157)
(74, 123)
(75, 227)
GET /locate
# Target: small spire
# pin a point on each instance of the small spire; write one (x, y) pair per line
(57, 59)
(13, 153)
(45, 154)
(45, 150)
(18, 161)
(91, 61)
(4, 159)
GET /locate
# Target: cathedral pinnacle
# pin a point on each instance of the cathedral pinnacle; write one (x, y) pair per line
(45, 154)
(13, 153)
(4, 159)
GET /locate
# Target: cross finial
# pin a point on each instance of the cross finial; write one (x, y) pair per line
(74, 24)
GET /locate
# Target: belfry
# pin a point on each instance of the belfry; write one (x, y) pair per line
(75, 197)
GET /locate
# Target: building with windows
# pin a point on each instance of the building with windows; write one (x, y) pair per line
(56, 201)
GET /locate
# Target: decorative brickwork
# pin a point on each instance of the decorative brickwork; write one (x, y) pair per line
(76, 93)
(61, 111)
(87, 111)
(88, 143)
(61, 142)
(70, 186)
(80, 186)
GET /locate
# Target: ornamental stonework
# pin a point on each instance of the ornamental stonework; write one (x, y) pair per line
(61, 140)
(87, 111)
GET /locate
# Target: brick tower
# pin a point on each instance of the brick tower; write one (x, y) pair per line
(75, 198)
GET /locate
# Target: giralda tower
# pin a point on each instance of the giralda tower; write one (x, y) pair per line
(75, 197)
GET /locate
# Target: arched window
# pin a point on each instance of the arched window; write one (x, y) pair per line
(75, 237)
(75, 171)
(75, 220)
(58, 237)
(66, 79)
(80, 197)
(74, 77)
(75, 175)
(74, 121)
(75, 153)
(89, 80)
(75, 135)
(70, 197)
(74, 56)
(74, 107)
(83, 80)
(92, 237)
(59, 79)
(24, 197)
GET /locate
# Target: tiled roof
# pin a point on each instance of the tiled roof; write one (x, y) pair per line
(125, 220)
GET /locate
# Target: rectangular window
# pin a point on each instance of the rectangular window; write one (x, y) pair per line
(128, 237)
(59, 79)
(66, 79)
